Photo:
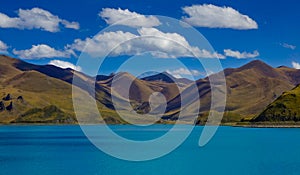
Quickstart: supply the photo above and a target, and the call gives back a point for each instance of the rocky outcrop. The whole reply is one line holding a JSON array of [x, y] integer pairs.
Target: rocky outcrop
[[20, 99], [10, 106], [7, 98], [2, 106]]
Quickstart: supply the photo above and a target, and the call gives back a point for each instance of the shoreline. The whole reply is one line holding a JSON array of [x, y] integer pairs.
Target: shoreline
[[240, 125], [267, 126]]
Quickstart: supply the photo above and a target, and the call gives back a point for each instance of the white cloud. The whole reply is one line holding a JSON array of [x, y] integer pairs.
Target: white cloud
[[181, 72], [128, 18], [288, 46], [3, 47], [202, 53], [212, 16], [35, 18], [239, 55], [64, 65], [42, 51], [70, 25], [295, 65], [151, 40], [101, 43]]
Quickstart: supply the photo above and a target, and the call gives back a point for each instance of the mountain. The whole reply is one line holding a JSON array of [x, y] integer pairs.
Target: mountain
[[35, 91], [44, 87], [138, 92], [250, 89], [43, 94], [292, 74], [253, 86], [103, 77], [167, 78], [147, 74], [284, 108]]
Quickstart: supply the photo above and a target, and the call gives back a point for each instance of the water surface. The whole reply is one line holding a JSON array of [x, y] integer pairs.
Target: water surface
[[61, 150]]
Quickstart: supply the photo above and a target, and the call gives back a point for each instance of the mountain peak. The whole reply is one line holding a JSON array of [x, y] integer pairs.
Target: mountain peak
[[256, 64], [124, 74], [7, 59], [147, 74], [164, 76], [283, 67], [261, 68]]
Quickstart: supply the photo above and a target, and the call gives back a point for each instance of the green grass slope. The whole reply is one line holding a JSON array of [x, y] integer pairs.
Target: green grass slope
[[284, 108]]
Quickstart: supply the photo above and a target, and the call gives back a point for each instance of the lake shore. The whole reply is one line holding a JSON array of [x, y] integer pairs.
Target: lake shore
[[268, 126], [265, 125], [239, 124]]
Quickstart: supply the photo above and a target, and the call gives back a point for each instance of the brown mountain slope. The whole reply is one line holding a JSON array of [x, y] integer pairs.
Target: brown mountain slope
[[50, 86], [167, 78], [48, 89], [33, 94], [253, 86], [7, 68], [139, 90], [250, 89], [292, 74]]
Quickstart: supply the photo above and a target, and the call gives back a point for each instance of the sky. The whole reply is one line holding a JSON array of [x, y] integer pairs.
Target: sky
[[57, 32]]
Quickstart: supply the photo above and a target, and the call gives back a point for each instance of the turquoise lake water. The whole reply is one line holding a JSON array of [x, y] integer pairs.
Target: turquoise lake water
[[62, 150]]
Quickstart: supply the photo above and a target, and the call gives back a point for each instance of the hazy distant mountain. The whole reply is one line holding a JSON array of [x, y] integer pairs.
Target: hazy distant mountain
[[166, 77], [147, 74], [103, 77]]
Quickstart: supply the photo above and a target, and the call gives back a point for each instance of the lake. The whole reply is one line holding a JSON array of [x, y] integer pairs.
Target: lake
[[61, 150]]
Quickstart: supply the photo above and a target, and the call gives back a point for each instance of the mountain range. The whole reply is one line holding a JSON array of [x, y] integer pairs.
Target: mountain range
[[256, 92]]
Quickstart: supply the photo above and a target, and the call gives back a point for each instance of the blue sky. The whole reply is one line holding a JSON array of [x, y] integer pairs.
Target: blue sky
[[275, 40]]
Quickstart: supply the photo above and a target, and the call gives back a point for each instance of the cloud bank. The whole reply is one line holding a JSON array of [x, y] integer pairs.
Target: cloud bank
[[239, 55], [159, 44], [64, 65], [36, 18], [181, 72], [122, 17], [212, 16], [42, 51], [295, 65], [3, 47]]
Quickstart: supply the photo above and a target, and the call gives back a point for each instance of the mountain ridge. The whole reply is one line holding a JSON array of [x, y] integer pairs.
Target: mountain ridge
[[251, 88]]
